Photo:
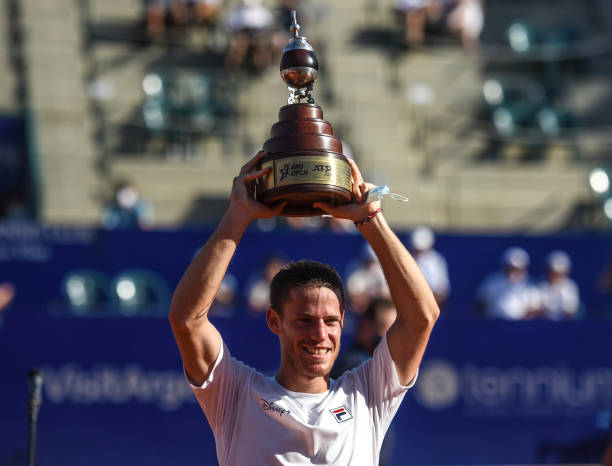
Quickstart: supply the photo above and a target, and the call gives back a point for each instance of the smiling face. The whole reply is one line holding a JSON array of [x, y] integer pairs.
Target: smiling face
[[309, 329]]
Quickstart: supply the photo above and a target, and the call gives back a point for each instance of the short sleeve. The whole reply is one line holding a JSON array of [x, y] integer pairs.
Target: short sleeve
[[218, 394], [384, 391], [382, 357]]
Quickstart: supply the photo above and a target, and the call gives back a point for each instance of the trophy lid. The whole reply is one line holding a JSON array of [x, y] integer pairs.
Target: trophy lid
[[299, 66]]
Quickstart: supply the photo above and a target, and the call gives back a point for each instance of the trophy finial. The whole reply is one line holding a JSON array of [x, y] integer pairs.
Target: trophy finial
[[299, 66], [295, 27]]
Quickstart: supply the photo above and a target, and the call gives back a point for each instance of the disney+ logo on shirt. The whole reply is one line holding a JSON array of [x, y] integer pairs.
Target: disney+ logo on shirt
[[271, 406]]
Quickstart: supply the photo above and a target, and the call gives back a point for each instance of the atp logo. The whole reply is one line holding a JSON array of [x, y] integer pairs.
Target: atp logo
[[341, 414]]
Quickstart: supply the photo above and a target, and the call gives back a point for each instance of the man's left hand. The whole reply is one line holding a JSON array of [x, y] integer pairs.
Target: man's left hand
[[357, 209]]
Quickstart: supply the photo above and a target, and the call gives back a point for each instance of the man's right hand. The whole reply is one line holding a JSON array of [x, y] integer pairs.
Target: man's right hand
[[243, 192]]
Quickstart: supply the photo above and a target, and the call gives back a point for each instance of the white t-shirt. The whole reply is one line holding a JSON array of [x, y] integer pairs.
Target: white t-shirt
[[256, 421]]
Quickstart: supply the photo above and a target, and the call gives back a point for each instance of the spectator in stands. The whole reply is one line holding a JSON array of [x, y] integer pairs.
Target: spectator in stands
[[206, 12], [365, 281], [14, 207], [559, 294], [155, 18], [417, 15], [313, 223], [161, 13], [258, 287], [252, 33], [225, 303], [7, 293], [372, 325], [431, 262], [177, 14], [508, 294], [341, 226], [414, 16], [128, 209], [466, 19], [604, 283]]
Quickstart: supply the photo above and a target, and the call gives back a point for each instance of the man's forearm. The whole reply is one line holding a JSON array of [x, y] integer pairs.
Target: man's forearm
[[412, 296], [197, 289]]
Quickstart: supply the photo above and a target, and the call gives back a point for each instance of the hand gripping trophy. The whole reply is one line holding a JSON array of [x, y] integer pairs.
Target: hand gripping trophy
[[305, 156]]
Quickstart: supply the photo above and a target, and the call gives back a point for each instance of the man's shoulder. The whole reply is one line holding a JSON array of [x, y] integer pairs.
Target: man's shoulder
[[228, 365]]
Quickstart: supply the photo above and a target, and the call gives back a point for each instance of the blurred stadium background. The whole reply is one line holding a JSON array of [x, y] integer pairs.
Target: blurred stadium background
[[505, 145]]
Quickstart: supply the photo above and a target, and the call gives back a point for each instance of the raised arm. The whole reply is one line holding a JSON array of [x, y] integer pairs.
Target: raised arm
[[416, 306], [197, 339]]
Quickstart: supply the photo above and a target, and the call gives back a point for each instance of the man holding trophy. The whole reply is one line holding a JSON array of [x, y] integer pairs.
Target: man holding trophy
[[301, 415]]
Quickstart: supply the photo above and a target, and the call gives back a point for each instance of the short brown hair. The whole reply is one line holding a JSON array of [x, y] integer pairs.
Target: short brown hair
[[304, 274]]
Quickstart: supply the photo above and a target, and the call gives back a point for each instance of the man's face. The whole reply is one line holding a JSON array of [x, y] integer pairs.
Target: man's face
[[309, 331]]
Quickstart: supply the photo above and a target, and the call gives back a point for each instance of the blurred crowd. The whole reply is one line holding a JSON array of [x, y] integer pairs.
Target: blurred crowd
[[461, 18], [256, 34], [509, 293]]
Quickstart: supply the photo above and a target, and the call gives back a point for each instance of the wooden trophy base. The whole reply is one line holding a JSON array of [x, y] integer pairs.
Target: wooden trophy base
[[307, 163]]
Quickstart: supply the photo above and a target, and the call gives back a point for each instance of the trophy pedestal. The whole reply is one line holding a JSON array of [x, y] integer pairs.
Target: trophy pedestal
[[307, 163]]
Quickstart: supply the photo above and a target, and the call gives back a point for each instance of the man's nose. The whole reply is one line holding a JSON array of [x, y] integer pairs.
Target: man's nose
[[320, 330]]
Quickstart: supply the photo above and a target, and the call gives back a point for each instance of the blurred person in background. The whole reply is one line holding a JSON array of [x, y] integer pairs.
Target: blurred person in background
[[431, 262], [206, 12], [559, 294], [128, 210], [225, 303], [371, 327], [509, 294], [341, 226], [7, 293], [253, 34], [163, 13], [466, 20], [14, 207], [163, 16], [313, 223], [365, 281], [258, 287], [414, 17], [604, 282]]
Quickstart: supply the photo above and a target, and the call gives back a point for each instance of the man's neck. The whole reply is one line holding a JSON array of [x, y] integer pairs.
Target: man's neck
[[297, 383]]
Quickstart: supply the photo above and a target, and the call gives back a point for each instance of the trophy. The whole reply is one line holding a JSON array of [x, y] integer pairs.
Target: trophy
[[305, 156]]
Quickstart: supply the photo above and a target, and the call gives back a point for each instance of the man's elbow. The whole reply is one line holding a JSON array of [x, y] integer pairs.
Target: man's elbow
[[176, 319], [429, 315], [184, 317], [177, 316], [433, 314]]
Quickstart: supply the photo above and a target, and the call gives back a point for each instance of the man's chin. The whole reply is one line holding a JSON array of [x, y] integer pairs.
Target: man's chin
[[318, 370], [313, 369]]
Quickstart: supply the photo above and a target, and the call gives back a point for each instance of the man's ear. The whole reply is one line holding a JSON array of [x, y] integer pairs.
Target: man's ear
[[273, 321]]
